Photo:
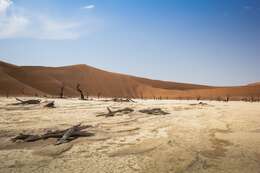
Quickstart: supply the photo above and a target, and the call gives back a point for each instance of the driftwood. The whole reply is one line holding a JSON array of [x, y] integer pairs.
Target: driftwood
[[154, 111], [63, 136], [50, 105], [113, 113], [25, 102]]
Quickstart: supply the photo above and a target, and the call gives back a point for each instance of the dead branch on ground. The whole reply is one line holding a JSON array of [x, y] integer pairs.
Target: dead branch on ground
[[123, 100], [63, 136], [50, 105], [113, 113], [200, 103], [25, 102], [154, 111]]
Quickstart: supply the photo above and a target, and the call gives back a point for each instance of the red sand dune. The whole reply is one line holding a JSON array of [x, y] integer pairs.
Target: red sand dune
[[31, 80]]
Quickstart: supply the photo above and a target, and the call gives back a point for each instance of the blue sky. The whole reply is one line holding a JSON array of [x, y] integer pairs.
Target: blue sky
[[214, 42]]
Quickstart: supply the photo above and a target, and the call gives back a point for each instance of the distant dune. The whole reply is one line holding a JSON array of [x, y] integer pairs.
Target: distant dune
[[47, 81], [254, 84]]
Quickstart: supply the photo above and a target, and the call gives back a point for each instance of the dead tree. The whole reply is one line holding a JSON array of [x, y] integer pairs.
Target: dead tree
[[63, 136], [154, 111], [25, 102], [62, 91], [113, 113], [252, 99], [67, 135], [123, 100], [81, 92], [99, 94], [22, 91], [227, 98], [87, 95], [7, 93], [50, 105], [141, 96]]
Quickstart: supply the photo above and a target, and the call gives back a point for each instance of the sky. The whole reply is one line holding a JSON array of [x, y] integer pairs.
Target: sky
[[213, 42]]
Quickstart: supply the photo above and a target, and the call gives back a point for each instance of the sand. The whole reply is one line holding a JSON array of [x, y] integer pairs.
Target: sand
[[47, 82], [218, 137]]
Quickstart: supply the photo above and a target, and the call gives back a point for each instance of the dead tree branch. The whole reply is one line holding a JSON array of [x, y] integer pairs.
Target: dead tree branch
[[113, 113], [154, 111], [50, 105], [63, 136], [24, 102], [123, 100]]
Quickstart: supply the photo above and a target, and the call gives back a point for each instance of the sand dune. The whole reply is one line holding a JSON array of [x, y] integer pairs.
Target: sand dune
[[254, 84], [31, 80]]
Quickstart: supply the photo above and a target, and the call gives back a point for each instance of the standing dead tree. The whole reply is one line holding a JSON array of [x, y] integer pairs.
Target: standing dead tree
[[227, 98], [141, 95], [81, 92], [7, 93], [62, 91], [22, 91], [99, 95]]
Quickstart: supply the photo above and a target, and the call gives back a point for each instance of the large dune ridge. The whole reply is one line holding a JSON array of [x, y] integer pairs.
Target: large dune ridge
[[47, 81]]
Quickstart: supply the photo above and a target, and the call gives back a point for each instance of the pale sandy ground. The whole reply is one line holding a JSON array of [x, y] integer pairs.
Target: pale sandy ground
[[219, 137]]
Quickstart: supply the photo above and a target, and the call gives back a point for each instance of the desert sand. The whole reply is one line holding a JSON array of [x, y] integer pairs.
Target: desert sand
[[218, 137], [47, 81]]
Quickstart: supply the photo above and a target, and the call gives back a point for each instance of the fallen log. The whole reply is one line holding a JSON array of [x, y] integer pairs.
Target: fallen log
[[24, 102], [62, 136], [123, 100], [50, 105], [65, 137], [25, 137], [200, 103], [154, 111], [113, 113]]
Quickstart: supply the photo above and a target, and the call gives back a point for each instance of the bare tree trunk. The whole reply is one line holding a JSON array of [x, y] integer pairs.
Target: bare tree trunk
[[22, 91], [7, 93], [99, 94], [81, 92], [62, 91], [227, 98], [87, 95]]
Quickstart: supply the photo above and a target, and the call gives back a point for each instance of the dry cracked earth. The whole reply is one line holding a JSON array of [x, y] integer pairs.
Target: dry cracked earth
[[217, 137]]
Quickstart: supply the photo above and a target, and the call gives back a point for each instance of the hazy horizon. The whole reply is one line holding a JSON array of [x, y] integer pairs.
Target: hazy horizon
[[204, 42]]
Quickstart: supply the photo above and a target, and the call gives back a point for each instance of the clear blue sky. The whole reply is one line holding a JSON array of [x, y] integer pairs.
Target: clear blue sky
[[214, 42]]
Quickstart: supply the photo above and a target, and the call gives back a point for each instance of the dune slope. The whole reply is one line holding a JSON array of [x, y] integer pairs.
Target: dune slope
[[31, 80]]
